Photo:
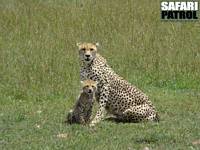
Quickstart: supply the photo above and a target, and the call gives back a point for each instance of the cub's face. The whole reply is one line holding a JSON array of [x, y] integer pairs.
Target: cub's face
[[89, 86], [87, 51]]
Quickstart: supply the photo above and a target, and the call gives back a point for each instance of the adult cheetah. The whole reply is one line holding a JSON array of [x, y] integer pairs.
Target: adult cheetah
[[114, 94]]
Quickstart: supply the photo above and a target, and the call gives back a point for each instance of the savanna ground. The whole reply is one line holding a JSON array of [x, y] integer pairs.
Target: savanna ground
[[39, 73]]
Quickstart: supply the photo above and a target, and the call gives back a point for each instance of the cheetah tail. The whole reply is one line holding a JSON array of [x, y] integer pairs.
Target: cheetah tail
[[69, 119]]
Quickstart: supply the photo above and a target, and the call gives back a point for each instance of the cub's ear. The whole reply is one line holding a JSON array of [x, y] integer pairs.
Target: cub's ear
[[96, 82], [78, 44], [97, 44], [82, 82]]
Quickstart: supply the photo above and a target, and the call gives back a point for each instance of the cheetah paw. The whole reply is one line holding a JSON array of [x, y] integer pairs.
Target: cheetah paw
[[91, 124]]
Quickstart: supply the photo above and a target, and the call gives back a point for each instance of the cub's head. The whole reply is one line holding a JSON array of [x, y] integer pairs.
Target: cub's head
[[87, 51], [89, 86]]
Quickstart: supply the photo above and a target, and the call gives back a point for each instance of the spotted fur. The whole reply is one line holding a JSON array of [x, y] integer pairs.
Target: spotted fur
[[115, 95], [83, 108]]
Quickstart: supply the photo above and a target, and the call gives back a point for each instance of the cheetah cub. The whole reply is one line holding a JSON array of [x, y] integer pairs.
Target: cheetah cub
[[83, 108]]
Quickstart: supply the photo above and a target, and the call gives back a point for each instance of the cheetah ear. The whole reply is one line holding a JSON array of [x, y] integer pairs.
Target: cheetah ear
[[97, 44], [78, 44], [82, 83]]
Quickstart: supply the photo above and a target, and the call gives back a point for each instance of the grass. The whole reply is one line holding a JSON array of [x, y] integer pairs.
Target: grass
[[178, 128], [39, 77]]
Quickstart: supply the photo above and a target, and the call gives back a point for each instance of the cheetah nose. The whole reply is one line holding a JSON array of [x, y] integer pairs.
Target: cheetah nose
[[87, 55], [89, 91]]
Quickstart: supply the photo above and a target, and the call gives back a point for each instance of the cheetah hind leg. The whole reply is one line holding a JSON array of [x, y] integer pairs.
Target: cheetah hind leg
[[154, 117], [139, 113]]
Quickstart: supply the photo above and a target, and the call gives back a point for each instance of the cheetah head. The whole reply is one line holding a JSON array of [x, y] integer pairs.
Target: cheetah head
[[87, 51], [89, 87]]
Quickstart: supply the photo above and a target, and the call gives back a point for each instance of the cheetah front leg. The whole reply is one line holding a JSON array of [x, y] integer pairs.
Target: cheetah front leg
[[103, 98], [82, 120]]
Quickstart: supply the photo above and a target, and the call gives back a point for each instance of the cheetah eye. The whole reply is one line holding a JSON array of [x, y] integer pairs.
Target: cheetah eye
[[91, 49], [94, 87], [83, 49]]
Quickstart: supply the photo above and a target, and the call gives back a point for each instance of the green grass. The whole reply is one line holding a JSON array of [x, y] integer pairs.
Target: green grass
[[39, 71]]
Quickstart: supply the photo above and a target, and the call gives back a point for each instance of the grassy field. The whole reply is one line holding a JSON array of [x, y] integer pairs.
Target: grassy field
[[39, 73]]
